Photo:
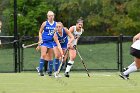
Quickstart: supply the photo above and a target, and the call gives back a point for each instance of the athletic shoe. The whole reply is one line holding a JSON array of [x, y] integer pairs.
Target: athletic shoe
[[50, 73], [67, 74], [56, 75], [123, 76], [41, 73], [37, 68], [124, 69]]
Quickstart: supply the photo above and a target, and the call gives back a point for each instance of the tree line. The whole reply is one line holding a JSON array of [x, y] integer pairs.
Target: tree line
[[101, 17]]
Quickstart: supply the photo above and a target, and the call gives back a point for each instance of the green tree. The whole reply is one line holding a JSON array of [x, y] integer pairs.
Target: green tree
[[101, 17], [31, 14]]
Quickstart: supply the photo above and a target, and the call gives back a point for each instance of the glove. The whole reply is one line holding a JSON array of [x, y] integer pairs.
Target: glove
[[74, 46], [63, 56], [37, 48]]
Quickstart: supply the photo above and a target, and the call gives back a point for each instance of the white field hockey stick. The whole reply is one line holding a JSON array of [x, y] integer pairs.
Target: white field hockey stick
[[82, 61], [58, 71], [30, 45]]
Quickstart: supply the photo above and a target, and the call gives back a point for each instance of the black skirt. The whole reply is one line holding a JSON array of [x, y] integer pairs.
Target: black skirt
[[135, 52]]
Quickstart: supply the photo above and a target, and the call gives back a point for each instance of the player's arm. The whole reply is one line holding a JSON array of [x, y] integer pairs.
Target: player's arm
[[70, 35], [40, 31], [71, 29], [136, 37], [58, 44]]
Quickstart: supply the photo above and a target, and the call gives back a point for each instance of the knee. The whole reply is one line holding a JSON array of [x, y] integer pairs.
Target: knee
[[57, 56], [73, 57], [43, 56], [50, 58]]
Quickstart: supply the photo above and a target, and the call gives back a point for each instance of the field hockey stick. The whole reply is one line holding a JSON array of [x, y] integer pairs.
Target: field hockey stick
[[58, 71], [30, 45], [82, 61]]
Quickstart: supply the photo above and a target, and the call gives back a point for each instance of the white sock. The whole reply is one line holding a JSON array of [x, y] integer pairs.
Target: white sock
[[69, 65], [132, 64], [130, 70]]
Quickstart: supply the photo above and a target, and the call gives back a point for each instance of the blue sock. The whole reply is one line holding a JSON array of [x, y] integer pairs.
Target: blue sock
[[50, 65], [56, 62], [41, 64]]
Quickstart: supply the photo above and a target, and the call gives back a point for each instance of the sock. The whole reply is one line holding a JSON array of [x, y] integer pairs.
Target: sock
[[45, 65], [130, 70], [69, 65], [50, 65], [56, 62], [132, 64], [41, 64]]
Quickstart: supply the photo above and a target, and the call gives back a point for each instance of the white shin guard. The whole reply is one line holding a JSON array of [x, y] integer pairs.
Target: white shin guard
[[69, 66], [130, 70]]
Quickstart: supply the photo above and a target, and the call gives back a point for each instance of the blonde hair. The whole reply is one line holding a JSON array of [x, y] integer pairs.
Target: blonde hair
[[50, 13]]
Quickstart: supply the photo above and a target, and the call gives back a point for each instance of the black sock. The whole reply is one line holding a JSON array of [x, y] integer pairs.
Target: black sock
[[45, 65]]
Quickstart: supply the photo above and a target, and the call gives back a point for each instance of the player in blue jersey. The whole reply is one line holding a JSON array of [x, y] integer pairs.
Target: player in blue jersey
[[62, 34], [46, 34]]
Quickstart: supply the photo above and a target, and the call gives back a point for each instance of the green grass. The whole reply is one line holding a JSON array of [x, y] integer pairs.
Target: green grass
[[99, 82]]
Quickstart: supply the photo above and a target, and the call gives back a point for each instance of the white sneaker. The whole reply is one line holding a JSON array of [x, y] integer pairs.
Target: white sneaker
[[56, 75]]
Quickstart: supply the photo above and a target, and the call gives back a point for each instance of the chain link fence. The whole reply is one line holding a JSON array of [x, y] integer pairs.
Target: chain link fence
[[98, 53]]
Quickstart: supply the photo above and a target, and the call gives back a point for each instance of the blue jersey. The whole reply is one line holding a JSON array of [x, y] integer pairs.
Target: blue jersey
[[63, 40], [47, 35], [48, 32]]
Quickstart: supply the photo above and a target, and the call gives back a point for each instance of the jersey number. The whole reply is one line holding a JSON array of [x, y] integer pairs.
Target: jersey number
[[76, 36], [51, 32]]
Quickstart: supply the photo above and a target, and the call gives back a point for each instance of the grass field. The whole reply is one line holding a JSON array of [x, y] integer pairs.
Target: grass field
[[99, 82]]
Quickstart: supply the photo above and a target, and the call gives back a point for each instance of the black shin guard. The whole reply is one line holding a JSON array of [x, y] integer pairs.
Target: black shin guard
[[45, 65]]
